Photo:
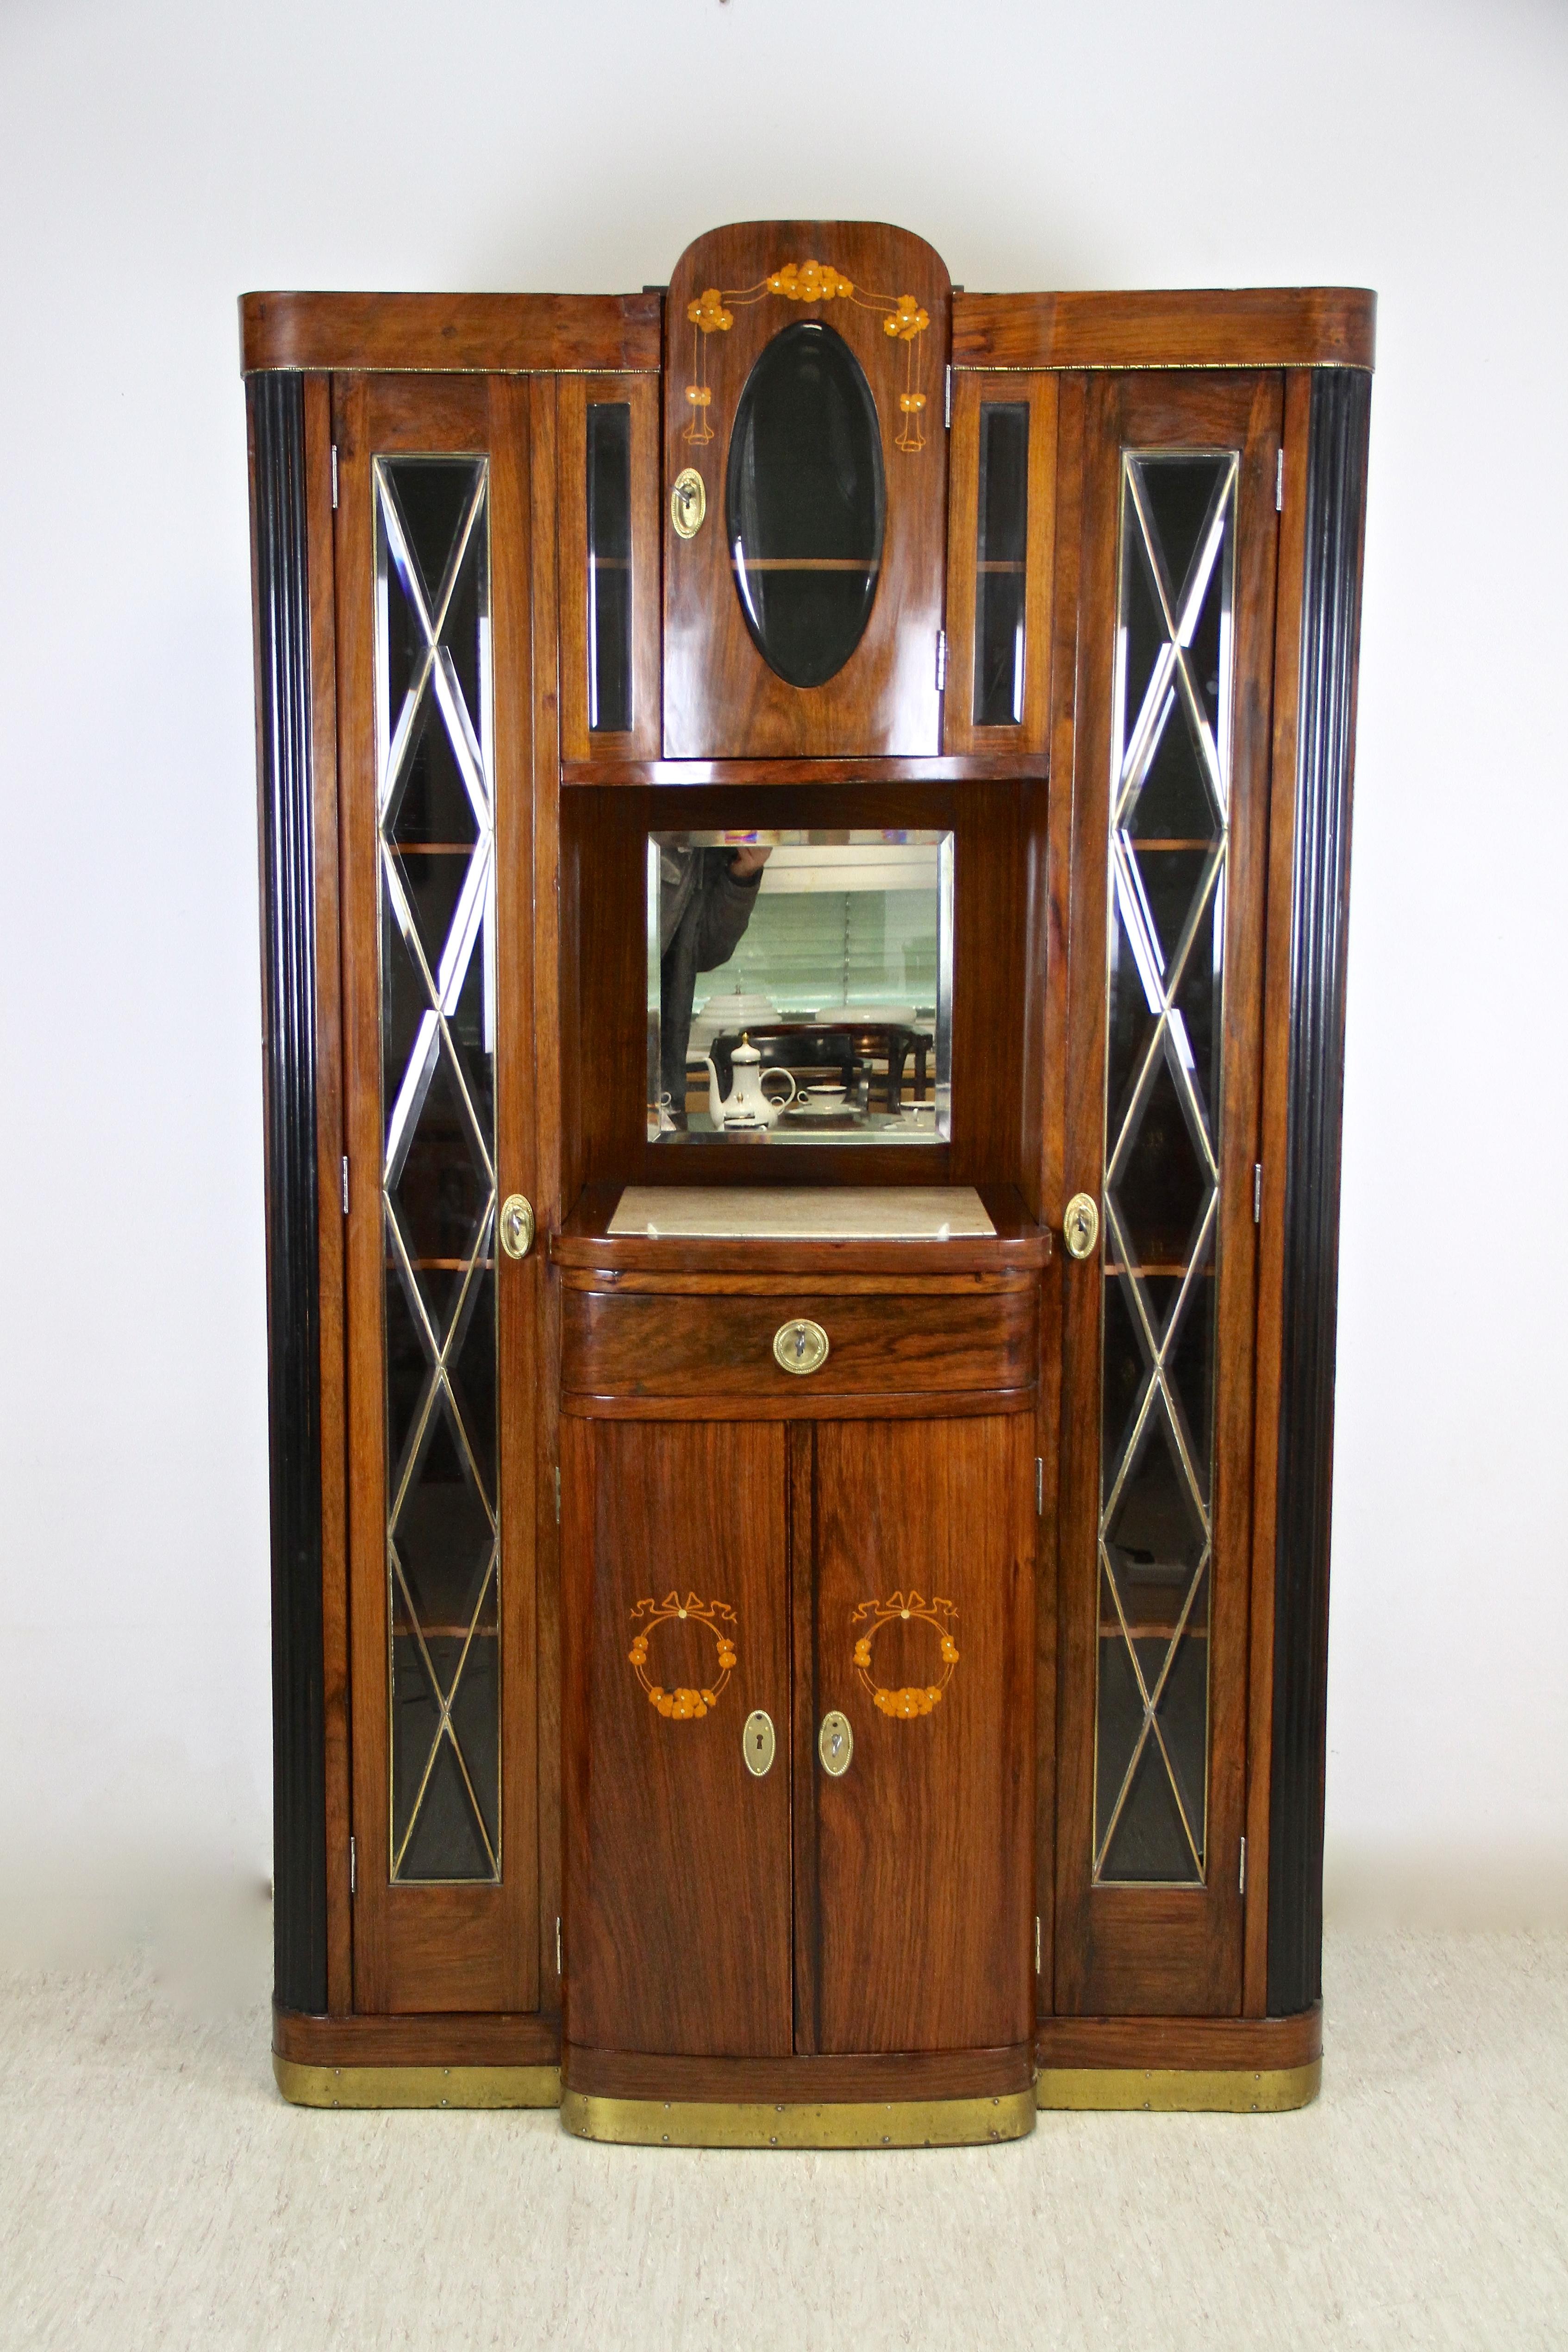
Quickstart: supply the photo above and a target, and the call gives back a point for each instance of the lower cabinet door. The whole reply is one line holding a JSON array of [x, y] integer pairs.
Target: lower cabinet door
[[676, 1631], [918, 1853]]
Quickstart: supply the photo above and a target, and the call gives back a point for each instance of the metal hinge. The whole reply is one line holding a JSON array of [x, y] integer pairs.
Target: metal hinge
[[1257, 1191], [334, 477], [948, 397], [557, 1966], [1279, 483], [353, 1869], [1038, 1485], [1241, 1880], [345, 1183], [941, 661], [557, 1494], [1037, 1943]]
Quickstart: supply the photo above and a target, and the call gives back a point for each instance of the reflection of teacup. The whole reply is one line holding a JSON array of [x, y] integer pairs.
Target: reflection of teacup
[[825, 1098]]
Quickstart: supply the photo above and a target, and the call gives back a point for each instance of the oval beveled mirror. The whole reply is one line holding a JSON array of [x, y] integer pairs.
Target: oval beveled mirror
[[805, 502]]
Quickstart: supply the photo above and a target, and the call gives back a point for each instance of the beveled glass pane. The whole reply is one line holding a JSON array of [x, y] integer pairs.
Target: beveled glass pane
[[1173, 801], [1160, 1186], [1178, 494], [1165, 1018], [437, 1004], [1148, 1843], [609, 565], [805, 500], [441, 1527], [999, 560]]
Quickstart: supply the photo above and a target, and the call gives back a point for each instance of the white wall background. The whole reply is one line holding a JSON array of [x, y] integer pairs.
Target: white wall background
[[157, 159]]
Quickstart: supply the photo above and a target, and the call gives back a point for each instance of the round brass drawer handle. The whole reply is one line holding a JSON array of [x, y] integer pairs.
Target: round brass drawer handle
[[800, 1346]]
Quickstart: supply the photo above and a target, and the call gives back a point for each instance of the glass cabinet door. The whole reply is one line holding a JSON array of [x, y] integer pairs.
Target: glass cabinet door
[[1171, 778], [431, 544]]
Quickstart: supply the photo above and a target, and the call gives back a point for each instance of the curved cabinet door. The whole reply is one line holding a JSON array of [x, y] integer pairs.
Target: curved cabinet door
[[914, 1867], [431, 589], [676, 1621], [1171, 779]]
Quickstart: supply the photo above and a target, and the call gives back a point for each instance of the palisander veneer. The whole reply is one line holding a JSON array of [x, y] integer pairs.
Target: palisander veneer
[[799, 1612]]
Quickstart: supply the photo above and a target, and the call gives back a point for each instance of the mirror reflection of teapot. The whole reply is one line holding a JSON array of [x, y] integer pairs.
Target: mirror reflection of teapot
[[747, 1105]]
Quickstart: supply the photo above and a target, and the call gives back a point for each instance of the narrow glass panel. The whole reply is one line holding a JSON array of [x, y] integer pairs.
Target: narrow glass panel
[[1000, 559], [608, 566], [1164, 1090], [438, 1187]]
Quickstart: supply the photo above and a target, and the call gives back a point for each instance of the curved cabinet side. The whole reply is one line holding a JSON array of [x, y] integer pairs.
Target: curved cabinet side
[[277, 420], [1331, 620]]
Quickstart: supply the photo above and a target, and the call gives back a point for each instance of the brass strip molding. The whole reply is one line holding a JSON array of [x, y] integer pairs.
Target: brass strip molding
[[417, 2086], [841, 2123], [1181, 2090]]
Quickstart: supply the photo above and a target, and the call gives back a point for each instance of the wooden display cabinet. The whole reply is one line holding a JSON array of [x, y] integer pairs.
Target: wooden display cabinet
[[802, 1621]]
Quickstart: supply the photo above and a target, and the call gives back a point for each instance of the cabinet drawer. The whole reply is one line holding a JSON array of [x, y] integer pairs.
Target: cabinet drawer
[[896, 1352]]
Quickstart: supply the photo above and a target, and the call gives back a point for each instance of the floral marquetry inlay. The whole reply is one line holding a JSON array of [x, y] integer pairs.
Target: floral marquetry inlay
[[914, 1698], [807, 281], [683, 1704]]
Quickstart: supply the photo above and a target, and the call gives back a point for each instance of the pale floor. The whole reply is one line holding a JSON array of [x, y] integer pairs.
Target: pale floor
[[155, 2191]]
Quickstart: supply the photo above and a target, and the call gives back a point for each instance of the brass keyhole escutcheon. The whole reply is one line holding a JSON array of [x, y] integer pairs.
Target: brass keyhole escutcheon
[[516, 1225], [758, 1744], [835, 1743], [1081, 1226], [688, 503], [800, 1346]]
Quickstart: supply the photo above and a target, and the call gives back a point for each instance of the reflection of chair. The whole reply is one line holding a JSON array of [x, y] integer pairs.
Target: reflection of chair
[[841, 1046]]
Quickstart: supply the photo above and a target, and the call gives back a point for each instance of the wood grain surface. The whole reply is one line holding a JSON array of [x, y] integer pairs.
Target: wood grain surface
[[1237, 327], [653, 1346], [677, 1925], [925, 1888], [488, 334]]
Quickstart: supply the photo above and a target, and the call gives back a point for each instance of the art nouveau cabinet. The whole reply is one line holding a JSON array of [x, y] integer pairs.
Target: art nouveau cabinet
[[804, 857]]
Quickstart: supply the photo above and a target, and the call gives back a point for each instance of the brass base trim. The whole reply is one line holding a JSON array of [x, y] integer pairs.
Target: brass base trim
[[838, 2123], [1178, 2090], [417, 2086]]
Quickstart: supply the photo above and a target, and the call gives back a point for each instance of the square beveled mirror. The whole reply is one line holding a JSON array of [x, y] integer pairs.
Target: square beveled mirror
[[800, 986]]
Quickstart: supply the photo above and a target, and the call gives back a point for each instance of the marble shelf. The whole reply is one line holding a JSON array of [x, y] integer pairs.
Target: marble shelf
[[921, 1212]]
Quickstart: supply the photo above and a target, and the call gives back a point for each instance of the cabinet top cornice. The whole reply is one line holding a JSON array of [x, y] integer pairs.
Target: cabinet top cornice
[[505, 335]]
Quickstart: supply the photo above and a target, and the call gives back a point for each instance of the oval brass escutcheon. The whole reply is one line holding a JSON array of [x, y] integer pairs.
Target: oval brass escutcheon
[[516, 1225], [835, 1743], [688, 503], [800, 1346], [1081, 1226], [757, 1743]]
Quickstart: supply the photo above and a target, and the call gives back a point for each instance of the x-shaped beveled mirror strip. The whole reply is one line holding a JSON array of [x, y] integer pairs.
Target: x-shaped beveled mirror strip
[[1150, 1701], [445, 1728], [1172, 674], [1168, 1038], [466, 932], [1171, 680]]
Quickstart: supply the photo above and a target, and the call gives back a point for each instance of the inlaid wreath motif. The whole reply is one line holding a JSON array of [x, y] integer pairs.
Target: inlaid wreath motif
[[903, 321], [681, 1705], [874, 1615]]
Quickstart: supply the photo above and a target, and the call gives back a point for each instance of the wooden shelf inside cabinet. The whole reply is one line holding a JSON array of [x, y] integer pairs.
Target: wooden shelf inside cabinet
[[1018, 1245], [987, 768]]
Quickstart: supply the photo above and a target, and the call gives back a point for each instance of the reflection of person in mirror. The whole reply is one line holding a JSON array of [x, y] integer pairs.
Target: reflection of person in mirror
[[705, 901]]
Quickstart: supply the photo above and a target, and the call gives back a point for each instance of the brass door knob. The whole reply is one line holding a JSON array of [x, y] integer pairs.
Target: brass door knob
[[516, 1225], [800, 1346], [1081, 1226]]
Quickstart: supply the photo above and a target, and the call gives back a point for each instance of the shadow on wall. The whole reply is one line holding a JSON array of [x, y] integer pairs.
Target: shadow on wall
[[1462, 1887]]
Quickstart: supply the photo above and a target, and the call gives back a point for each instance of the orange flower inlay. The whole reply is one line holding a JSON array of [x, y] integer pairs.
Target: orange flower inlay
[[912, 1700], [684, 1704]]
